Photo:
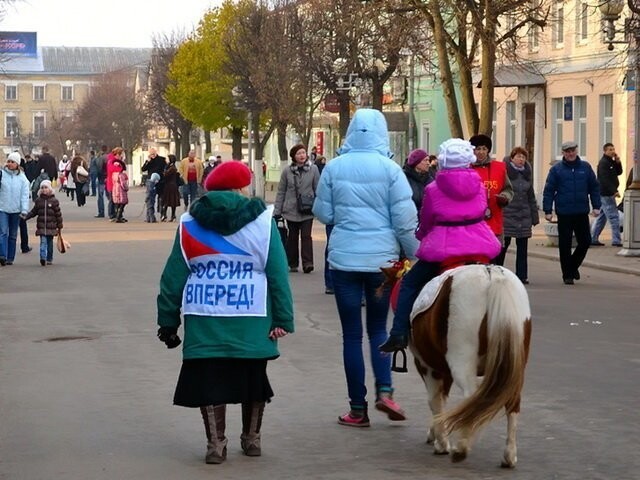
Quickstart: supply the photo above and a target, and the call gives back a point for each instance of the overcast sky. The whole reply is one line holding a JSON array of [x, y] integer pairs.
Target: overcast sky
[[102, 23]]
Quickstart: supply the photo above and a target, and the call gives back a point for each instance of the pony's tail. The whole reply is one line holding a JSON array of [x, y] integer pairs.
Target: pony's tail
[[507, 313]]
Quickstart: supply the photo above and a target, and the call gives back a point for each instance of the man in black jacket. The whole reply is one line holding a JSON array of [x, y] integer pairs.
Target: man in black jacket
[[48, 163], [609, 168]]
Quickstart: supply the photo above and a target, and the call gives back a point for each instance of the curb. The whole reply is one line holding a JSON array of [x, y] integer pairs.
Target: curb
[[586, 263]]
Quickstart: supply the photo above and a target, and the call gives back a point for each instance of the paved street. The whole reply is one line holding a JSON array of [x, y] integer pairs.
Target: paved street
[[86, 388]]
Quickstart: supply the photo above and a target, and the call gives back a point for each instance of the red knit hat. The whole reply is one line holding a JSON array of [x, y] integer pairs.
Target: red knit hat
[[231, 175]]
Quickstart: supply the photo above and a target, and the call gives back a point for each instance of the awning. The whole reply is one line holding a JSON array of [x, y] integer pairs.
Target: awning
[[517, 76]]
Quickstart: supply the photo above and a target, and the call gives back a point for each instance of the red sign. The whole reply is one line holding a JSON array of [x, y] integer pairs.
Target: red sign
[[331, 103], [320, 143]]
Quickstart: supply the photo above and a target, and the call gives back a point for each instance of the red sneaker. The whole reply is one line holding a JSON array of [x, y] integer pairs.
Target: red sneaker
[[351, 420], [386, 404]]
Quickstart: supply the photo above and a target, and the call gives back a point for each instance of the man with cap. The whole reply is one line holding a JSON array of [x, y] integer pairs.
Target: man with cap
[[496, 181], [451, 229], [14, 201], [570, 184], [227, 276]]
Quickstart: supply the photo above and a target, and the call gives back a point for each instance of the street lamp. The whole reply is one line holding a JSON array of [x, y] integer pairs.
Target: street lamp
[[68, 144], [611, 11], [12, 133]]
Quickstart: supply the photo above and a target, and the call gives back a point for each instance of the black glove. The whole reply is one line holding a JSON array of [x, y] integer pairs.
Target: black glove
[[277, 218], [169, 336]]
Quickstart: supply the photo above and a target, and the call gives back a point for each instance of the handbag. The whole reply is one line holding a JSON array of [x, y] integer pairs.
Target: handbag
[[82, 171], [62, 244], [304, 201]]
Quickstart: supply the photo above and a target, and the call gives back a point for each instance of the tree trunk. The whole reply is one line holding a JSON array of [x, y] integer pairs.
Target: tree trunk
[[236, 142], [377, 93], [488, 76], [185, 144], [207, 142], [446, 77], [176, 142], [344, 101], [282, 142]]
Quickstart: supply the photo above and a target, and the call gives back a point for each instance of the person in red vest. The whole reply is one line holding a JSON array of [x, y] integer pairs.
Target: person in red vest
[[499, 189]]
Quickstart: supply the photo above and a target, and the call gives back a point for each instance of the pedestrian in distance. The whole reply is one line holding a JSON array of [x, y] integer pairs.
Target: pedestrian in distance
[[101, 166], [46, 209], [232, 334], [452, 231], [191, 170], [418, 174], [496, 181], [93, 172], [366, 197], [521, 214], [296, 193], [570, 185], [14, 200], [120, 190], [609, 169], [116, 155], [170, 191]]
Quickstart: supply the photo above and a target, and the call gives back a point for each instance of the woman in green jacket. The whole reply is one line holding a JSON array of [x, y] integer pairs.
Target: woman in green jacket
[[227, 276]]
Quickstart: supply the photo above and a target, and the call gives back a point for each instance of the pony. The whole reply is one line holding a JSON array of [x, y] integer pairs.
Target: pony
[[472, 326]]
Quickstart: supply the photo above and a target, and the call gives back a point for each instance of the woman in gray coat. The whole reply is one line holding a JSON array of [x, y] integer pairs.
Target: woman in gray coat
[[296, 192], [521, 214]]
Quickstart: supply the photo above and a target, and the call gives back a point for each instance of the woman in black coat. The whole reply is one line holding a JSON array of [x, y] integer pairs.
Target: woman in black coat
[[418, 173], [521, 214]]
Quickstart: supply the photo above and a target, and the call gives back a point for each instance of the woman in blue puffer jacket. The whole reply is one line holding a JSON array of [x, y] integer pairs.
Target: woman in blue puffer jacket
[[14, 201], [367, 198]]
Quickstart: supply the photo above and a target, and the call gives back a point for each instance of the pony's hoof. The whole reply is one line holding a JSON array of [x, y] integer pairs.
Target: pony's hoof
[[440, 452], [458, 456], [508, 463]]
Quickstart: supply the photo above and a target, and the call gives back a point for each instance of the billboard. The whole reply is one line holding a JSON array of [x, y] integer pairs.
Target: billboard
[[22, 43]]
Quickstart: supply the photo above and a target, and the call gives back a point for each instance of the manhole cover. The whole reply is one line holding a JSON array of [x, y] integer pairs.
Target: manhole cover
[[66, 339]]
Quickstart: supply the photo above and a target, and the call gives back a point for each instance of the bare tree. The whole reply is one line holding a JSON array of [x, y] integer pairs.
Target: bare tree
[[160, 110]]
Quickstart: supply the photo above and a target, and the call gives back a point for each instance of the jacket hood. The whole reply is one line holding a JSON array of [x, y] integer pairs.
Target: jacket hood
[[459, 183], [226, 212], [367, 131]]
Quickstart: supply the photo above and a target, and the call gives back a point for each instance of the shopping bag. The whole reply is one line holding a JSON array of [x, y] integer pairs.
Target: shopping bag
[[62, 244]]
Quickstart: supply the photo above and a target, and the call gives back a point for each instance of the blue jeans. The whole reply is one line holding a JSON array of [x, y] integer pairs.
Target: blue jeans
[[189, 193], [609, 211], [9, 223], [348, 287], [100, 199], [412, 283], [46, 247]]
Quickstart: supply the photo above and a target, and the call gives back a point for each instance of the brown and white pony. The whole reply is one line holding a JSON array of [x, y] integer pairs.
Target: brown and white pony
[[478, 325]]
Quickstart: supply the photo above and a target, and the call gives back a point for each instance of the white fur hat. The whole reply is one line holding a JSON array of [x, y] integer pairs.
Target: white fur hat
[[14, 157], [455, 153], [45, 183]]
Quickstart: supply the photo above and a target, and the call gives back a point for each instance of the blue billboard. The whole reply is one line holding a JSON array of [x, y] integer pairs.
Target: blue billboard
[[22, 43]]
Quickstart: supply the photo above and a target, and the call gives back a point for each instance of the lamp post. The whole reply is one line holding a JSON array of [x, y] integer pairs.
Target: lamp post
[[11, 134], [611, 10]]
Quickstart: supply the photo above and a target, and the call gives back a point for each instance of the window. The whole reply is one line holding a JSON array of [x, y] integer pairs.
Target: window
[[511, 126], [38, 93], [582, 21], [557, 28], [38, 125], [67, 93], [10, 124], [606, 118], [11, 92], [557, 110], [580, 125]]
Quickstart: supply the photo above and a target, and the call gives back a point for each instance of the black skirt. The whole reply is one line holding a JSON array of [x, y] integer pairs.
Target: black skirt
[[214, 381]]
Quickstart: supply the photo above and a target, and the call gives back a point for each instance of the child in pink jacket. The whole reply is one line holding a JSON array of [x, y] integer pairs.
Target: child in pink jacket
[[119, 193], [452, 230]]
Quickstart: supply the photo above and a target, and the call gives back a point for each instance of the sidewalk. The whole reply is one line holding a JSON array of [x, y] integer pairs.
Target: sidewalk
[[603, 258]]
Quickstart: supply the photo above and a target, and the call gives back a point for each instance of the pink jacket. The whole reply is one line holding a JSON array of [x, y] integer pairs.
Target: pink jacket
[[452, 218], [120, 186], [109, 180]]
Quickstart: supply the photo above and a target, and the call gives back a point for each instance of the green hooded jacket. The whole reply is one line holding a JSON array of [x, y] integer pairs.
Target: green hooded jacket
[[226, 212]]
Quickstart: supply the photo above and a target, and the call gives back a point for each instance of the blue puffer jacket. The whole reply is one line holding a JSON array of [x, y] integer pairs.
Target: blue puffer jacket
[[569, 185], [367, 198], [14, 192]]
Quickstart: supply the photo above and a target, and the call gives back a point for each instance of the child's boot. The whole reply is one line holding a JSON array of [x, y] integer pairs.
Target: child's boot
[[386, 404], [356, 417]]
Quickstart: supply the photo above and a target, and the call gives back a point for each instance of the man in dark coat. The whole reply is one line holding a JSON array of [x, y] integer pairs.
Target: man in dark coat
[[48, 163], [609, 168], [570, 185]]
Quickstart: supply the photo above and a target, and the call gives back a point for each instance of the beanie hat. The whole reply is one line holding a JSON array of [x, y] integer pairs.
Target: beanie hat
[[14, 157], [481, 141], [45, 183], [416, 156], [455, 153], [232, 175], [294, 150], [155, 177]]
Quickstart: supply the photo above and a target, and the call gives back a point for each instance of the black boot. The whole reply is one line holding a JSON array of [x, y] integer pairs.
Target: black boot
[[214, 417], [251, 423], [394, 343]]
